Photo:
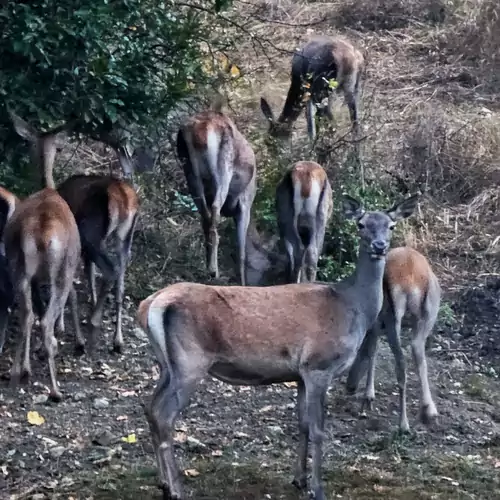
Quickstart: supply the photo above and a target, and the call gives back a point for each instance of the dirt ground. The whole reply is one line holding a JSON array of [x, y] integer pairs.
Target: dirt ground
[[240, 442]]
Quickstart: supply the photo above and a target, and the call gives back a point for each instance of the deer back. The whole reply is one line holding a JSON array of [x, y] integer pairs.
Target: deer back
[[408, 274]]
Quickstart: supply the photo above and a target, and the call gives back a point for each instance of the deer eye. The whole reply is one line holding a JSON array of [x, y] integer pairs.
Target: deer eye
[[392, 227], [361, 225]]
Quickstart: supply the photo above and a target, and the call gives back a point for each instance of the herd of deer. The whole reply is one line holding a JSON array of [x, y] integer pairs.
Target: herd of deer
[[303, 331]]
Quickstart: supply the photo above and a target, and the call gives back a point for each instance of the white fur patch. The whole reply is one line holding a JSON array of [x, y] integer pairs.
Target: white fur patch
[[156, 331]]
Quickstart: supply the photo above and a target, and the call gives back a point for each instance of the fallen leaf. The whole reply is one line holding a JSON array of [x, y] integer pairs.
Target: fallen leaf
[[180, 437], [235, 72], [34, 418], [130, 438], [121, 417], [290, 384], [217, 453], [191, 472]]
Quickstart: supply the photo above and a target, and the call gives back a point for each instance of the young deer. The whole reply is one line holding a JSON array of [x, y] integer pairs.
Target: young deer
[[41, 241], [410, 287], [104, 208], [307, 333], [304, 206], [313, 67], [219, 165]]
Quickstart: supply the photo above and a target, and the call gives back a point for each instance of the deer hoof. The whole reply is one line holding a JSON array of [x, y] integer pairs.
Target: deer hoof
[[117, 348], [317, 493], [55, 396], [79, 349], [428, 414], [300, 483], [170, 496]]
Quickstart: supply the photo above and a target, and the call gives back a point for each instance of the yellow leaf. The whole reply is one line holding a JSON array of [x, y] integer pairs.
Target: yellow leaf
[[290, 384], [34, 418], [133, 28], [235, 72], [130, 438], [191, 472]]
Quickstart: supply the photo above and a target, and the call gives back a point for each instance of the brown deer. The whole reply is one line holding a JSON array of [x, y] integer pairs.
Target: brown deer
[[304, 206], [104, 208], [41, 241], [219, 165], [321, 60], [307, 333], [411, 288]]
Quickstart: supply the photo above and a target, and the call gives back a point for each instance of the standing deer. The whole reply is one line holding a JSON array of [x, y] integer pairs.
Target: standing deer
[[41, 241], [307, 333], [410, 287], [219, 165], [319, 61], [304, 206], [104, 208]]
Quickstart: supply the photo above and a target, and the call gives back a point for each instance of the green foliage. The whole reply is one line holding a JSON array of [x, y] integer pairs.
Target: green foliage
[[341, 239], [108, 63]]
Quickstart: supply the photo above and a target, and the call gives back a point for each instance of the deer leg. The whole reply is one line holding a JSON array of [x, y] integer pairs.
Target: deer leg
[[89, 267], [28, 318], [124, 252], [393, 331], [170, 397], [428, 409], [80, 341], [316, 384], [96, 318], [300, 478], [362, 361], [311, 262], [242, 223], [311, 119], [4, 320]]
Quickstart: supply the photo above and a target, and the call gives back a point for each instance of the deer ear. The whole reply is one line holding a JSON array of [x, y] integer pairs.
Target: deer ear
[[404, 208], [352, 208], [266, 109], [23, 128]]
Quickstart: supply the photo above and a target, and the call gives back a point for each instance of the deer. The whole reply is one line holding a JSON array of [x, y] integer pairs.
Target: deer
[[410, 288], [220, 170], [104, 207], [314, 66], [308, 333], [304, 206], [42, 241]]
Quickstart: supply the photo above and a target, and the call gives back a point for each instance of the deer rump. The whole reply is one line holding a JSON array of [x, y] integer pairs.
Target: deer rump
[[208, 171]]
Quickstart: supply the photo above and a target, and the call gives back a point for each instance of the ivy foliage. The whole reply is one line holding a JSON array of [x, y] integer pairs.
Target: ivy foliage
[[105, 63]]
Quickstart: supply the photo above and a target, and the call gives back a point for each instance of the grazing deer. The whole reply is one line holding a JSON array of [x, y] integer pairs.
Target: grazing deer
[[104, 208], [41, 241], [411, 287], [304, 206], [307, 333], [219, 165], [313, 67]]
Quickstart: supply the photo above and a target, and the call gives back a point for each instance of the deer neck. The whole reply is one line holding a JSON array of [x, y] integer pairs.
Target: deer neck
[[365, 287]]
